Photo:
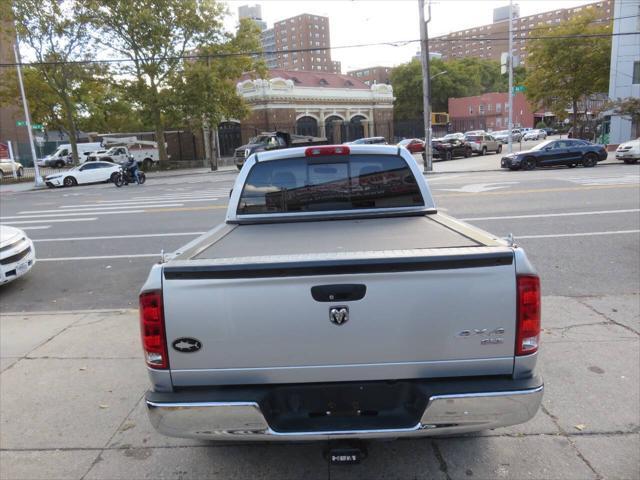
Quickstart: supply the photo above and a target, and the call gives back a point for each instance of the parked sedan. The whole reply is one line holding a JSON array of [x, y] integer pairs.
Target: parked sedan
[[483, 143], [368, 141], [556, 152], [414, 145], [6, 168], [629, 152], [89, 172], [17, 255], [535, 135], [503, 135]]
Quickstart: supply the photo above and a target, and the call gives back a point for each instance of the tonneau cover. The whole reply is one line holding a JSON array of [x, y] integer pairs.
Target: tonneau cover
[[337, 236]]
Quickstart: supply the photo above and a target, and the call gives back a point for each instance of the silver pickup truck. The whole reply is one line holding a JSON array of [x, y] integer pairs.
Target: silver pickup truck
[[336, 302]]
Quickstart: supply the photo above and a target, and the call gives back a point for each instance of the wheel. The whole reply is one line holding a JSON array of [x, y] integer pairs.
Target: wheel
[[572, 165], [113, 177], [20, 171], [590, 160], [467, 152], [447, 155], [1, 174], [147, 163], [142, 177], [69, 182], [529, 163], [118, 180], [499, 150], [630, 161], [484, 151], [59, 164]]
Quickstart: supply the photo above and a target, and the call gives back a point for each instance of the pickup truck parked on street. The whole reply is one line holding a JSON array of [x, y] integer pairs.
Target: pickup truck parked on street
[[273, 141], [336, 302]]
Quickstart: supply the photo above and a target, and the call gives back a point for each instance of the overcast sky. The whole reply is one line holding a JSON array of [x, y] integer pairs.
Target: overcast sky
[[372, 21]]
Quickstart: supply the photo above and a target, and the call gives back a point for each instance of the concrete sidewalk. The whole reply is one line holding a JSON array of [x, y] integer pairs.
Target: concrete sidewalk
[[71, 406]]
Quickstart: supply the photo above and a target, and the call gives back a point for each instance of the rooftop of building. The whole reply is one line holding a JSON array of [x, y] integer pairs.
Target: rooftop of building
[[302, 78]]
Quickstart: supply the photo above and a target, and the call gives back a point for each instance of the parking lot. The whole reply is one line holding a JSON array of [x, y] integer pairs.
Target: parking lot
[[72, 377]]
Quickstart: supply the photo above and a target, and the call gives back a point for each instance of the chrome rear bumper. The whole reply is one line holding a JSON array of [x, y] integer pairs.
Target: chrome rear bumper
[[449, 414]]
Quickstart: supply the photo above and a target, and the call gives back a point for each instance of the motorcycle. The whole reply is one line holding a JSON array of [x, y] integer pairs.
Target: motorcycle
[[124, 177]]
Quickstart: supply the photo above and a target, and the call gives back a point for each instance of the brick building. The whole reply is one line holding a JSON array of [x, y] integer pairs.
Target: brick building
[[457, 45], [372, 75], [490, 112], [304, 31], [339, 107], [9, 114]]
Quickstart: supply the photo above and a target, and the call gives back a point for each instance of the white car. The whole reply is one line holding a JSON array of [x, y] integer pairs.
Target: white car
[[89, 172], [629, 152], [535, 135], [17, 255]]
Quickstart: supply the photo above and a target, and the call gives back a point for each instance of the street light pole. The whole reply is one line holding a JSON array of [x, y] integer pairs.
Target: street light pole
[[426, 86], [27, 117], [510, 65]]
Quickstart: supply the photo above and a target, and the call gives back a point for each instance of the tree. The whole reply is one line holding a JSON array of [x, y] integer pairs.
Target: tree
[[626, 107], [155, 35], [205, 89], [564, 71], [54, 38]]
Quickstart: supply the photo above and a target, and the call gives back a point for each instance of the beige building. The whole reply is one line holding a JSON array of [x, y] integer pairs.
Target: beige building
[[457, 45]]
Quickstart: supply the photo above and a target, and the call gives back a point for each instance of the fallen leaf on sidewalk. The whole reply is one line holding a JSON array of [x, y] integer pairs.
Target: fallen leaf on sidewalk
[[580, 426], [82, 369], [104, 406]]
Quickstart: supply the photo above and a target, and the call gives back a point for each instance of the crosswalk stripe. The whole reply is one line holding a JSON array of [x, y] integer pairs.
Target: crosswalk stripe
[[146, 203], [50, 220], [114, 237], [75, 214], [102, 209]]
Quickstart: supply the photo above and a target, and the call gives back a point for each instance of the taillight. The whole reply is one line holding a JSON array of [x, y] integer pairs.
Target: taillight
[[528, 328], [327, 150], [154, 342]]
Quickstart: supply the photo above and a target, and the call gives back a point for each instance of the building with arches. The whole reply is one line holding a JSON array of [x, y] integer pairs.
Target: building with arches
[[338, 107]]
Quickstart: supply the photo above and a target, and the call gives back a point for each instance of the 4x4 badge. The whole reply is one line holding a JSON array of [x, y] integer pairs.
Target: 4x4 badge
[[186, 345]]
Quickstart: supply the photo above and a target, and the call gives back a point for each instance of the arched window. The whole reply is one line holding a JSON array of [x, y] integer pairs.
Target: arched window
[[335, 129], [356, 127], [307, 126]]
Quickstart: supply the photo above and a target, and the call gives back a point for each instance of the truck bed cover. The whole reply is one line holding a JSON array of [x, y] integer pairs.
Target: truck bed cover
[[338, 236]]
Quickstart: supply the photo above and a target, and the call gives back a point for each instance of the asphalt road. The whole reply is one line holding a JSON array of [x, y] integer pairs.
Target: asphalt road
[[95, 244]]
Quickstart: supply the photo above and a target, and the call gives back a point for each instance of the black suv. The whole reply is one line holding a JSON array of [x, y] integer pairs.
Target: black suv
[[450, 146]]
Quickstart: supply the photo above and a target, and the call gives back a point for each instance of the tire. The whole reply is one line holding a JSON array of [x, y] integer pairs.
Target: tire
[[69, 182], [572, 165], [447, 155], [113, 177], [1, 174], [59, 164], [589, 160], [147, 163], [119, 180], [499, 149], [529, 163], [630, 161], [20, 172], [467, 152], [484, 151], [142, 177]]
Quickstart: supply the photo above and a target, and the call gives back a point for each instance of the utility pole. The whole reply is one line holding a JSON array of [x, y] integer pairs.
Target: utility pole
[[27, 117], [510, 66], [426, 86]]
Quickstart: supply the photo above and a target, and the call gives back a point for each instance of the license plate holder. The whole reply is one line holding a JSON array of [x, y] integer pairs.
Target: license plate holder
[[22, 268]]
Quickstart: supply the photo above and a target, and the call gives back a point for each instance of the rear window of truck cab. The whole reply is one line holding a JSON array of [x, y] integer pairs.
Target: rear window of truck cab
[[329, 183]]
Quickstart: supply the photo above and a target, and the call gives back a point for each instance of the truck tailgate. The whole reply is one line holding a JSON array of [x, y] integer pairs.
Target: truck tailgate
[[425, 313]]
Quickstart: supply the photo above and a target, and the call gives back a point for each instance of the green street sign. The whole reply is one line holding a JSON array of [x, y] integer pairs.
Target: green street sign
[[519, 88], [34, 126]]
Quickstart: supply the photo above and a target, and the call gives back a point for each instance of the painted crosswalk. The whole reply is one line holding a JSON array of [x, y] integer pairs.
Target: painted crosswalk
[[77, 210], [627, 179]]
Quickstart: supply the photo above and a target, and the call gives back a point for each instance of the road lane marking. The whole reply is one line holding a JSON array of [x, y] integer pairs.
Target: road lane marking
[[111, 237], [479, 187], [583, 234], [566, 214], [99, 257], [76, 214], [40, 227], [185, 209], [537, 190], [137, 204], [16, 222], [99, 209]]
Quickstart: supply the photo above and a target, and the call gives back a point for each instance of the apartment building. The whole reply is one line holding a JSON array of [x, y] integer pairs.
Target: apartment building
[[490, 41], [372, 75]]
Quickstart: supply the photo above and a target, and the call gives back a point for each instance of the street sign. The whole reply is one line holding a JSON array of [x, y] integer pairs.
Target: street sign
[[34, 126], [519, 88]]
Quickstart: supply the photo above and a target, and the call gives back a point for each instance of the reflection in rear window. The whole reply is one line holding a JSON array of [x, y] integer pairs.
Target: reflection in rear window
[[319, 184]]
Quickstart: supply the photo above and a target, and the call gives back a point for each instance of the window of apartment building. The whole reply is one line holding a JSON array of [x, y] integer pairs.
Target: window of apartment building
[[498, 122], [470, 110], [317, 44], [506, 107], [481, 109], [636, 73], [488, 107]]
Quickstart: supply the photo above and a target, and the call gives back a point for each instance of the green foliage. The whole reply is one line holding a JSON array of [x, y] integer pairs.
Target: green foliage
[[565, 70], [541, 124], [155, 34], [465, 77]]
